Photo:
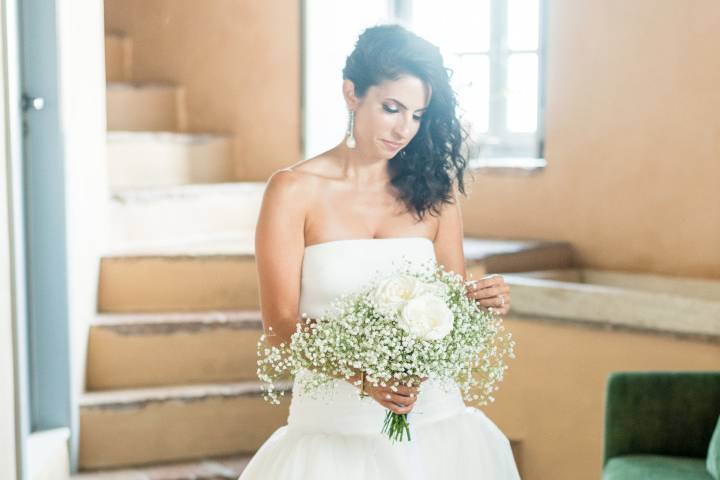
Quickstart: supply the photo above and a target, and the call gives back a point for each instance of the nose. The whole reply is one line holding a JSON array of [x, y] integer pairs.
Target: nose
[[402, 128]]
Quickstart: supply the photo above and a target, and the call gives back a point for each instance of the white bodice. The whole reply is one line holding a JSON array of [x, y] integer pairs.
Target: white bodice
[[330, 269], [334, 268], [338, 434]]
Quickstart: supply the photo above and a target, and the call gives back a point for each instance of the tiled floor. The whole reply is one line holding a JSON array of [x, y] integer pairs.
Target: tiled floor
[[210, 469]]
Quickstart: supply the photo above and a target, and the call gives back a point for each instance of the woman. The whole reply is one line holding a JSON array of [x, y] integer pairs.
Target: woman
[[328, 224]]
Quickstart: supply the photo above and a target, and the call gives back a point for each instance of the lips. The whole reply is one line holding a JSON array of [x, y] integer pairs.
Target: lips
[[392, 145]]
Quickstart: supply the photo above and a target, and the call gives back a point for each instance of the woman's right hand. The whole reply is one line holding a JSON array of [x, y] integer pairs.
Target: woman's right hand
[[401, 401]]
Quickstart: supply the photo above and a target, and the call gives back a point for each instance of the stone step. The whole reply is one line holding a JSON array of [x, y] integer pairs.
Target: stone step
[[136, 107], [221, 468], [161, 159], [217, 276], [118, 57], [124, 428], [184, 214], [143, 350], [178, 282]]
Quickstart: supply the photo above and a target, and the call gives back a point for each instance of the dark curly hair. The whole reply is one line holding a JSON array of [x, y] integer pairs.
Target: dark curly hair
[[424, 170]]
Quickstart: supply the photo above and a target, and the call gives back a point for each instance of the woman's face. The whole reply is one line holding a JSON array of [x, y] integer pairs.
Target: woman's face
[[389, 115]]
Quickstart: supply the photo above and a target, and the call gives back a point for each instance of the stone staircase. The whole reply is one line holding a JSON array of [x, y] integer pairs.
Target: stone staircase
[[171, 384], [172, 353]]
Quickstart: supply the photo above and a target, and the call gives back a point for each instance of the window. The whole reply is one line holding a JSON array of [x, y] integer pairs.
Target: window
[[495, 50], [329, 32]]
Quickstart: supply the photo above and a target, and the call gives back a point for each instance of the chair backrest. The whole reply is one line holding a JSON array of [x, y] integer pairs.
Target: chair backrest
[[661, 413]]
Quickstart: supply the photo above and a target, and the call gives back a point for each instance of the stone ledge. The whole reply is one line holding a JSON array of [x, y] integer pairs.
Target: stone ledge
[[689, 308]]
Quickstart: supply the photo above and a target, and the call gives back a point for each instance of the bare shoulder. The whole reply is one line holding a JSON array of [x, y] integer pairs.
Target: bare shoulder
[[318, 167], [285, 182], [288, 185], [298, 184]]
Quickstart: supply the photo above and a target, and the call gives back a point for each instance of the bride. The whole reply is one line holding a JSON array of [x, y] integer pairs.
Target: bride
[[328, 224]]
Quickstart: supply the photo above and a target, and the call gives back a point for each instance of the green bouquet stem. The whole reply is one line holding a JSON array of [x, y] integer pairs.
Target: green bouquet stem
[[396, 426]]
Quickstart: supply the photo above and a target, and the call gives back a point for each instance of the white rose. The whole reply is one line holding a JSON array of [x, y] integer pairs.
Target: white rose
[[392, 293], [426, 316]]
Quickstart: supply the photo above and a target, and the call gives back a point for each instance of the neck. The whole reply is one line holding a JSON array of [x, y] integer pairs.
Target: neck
[[361, 169]]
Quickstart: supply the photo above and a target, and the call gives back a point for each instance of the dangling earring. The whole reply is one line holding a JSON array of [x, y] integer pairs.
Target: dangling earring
[[350, 141]]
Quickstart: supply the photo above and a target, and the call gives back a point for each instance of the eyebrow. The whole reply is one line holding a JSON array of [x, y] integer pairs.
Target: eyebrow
[[403, 106]]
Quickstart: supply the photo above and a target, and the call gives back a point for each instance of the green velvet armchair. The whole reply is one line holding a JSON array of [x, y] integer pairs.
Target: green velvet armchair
[[658, 425]]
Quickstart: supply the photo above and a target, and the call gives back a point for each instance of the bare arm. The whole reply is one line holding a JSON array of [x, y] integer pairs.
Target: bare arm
[[448, 240], [448, 243], [279, 248]]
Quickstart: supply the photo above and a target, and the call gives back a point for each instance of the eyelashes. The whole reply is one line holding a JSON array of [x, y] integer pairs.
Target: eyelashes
[[390, 110]]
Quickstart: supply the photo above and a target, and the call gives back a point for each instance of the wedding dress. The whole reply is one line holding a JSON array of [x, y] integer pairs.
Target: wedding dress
[[339, 436]]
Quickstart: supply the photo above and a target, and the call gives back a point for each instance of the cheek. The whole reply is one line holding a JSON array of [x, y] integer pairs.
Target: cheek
[[378, 125], [384, 121]]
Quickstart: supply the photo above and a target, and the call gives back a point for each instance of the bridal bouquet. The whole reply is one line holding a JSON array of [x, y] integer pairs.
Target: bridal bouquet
[[416, 322]]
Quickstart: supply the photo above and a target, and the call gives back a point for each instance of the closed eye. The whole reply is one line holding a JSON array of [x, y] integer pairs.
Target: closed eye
[[390, 110]]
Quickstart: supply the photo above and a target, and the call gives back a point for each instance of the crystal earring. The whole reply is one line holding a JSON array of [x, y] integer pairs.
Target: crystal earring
[[350, 141]]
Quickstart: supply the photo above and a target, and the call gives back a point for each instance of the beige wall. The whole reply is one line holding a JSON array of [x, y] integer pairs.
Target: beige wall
[[633, 136], [633, 140], [553, 395], [239, 62]]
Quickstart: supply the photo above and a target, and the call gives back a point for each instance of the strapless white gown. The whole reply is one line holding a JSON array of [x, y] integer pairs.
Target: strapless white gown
[[338, 437]]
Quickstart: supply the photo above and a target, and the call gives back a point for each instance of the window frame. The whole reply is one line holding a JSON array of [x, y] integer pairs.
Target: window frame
[[515, 143]]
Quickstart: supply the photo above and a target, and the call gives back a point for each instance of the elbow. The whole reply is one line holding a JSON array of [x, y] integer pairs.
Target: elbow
[[275, 340], [278, 331]]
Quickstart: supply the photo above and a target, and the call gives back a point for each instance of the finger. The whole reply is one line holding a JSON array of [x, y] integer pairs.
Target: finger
[[493, 292], [394, 403], [485, 293], [489, 281], [407, 392], [408, 383], [400, 399], [406, 389], [395, 408], [490, 302]]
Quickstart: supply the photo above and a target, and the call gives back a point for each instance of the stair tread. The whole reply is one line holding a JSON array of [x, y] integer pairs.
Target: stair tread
[[136, 84], [186, 190], [153, 323], [215, 468], [134, 396], [229, 245], [166, 136]]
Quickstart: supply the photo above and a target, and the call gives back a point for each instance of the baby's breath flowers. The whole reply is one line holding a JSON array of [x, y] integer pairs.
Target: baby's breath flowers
[[416, 322]]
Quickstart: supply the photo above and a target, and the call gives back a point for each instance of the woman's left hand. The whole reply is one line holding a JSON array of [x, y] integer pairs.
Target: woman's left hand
[[490, 292]]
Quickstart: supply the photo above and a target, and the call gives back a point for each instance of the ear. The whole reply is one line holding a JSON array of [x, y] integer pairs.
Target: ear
[[348, 88]]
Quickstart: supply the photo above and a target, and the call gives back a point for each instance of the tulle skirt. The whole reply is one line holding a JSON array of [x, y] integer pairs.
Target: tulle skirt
[[339, 436]]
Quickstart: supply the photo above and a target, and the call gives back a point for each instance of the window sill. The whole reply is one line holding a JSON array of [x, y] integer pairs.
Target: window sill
[[507, 166]]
